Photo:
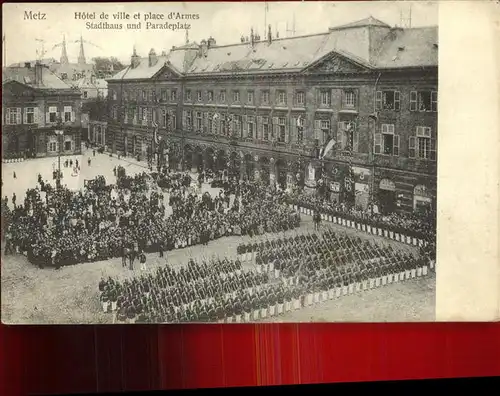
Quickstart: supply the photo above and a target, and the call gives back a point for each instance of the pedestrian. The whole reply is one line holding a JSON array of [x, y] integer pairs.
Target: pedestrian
[[15, 176], [142, 259], [88, 161]]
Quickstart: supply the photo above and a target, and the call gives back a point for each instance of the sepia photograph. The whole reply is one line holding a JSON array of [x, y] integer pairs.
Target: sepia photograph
[[219, 163]]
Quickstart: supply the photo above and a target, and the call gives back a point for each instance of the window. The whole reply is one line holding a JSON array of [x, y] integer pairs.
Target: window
[[210, 123], [422, 145], [388, 100], [222, 96], [144, 95], [52, 114], [131, 115], [349, 99], [52, 147], [67, 145], [282, 130], [386, 142], [68, 114], [348, 136], [264, 97], [236, 96], [199, 96], [325, 127], [163, 118], [265, 128], [423, 101], [251, 127], [14, 116], [85, 94], [30, 115], [300, 129], [163, 94], [223, 125], [210, 96], [173, 121], [300, 98], [250, 97], [173, 95], [189, 119], [238, 130], [144, 117], [188, 95], [153, 95], [281, 98], [325, 98], [199, 121]]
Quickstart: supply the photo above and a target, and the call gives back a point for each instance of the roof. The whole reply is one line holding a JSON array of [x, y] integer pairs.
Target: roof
[[143, 70], [369, 42], [87, 82], [26, 76], [45, 61], [415, 47], [70, 68]]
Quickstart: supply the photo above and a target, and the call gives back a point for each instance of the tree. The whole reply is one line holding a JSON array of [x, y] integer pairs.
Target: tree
[[107, 64], [96, 108]]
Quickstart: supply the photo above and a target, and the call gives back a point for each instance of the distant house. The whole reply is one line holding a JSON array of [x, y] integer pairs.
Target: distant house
[[35, 104], [92, 87]]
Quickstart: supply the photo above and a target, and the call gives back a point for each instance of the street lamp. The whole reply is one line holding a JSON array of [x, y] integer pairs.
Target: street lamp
[[59, 132]]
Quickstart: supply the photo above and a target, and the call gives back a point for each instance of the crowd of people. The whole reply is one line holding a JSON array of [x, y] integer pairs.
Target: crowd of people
[[290, 273], [418, 225], [56, 226]]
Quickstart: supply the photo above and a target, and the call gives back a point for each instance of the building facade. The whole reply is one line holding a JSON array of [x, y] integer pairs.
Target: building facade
[[301, 110], [36, 104]]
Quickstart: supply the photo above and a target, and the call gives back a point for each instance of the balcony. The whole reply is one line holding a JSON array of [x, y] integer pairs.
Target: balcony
[[409, 164]]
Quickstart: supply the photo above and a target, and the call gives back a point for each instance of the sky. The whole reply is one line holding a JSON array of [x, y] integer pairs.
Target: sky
[[226, 22]]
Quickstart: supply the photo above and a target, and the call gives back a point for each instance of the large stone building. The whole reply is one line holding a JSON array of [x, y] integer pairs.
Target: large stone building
[[265, 108], [35, 104]]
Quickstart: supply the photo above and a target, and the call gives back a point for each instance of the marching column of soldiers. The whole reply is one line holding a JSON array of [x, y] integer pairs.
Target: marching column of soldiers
[[420, 225], [291, 273]]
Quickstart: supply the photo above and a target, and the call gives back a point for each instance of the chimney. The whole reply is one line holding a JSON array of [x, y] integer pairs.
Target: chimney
[[252, 37], [269, 35], [27, 65], [203, 47], [38, 73], [135, 60], [211, 42], [153, 59]]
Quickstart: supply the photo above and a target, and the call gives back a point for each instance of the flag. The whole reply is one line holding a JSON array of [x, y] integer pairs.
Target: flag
[[156, 137]]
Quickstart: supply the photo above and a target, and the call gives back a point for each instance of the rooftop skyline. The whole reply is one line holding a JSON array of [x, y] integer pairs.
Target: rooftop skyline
[[226, 22]]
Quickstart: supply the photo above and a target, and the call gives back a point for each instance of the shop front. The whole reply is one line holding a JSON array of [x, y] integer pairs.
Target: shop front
[[422, 199], [362, 180], [387, 196]]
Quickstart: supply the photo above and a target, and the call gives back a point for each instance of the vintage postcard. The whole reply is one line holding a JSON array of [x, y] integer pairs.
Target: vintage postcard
[[220, 162]]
